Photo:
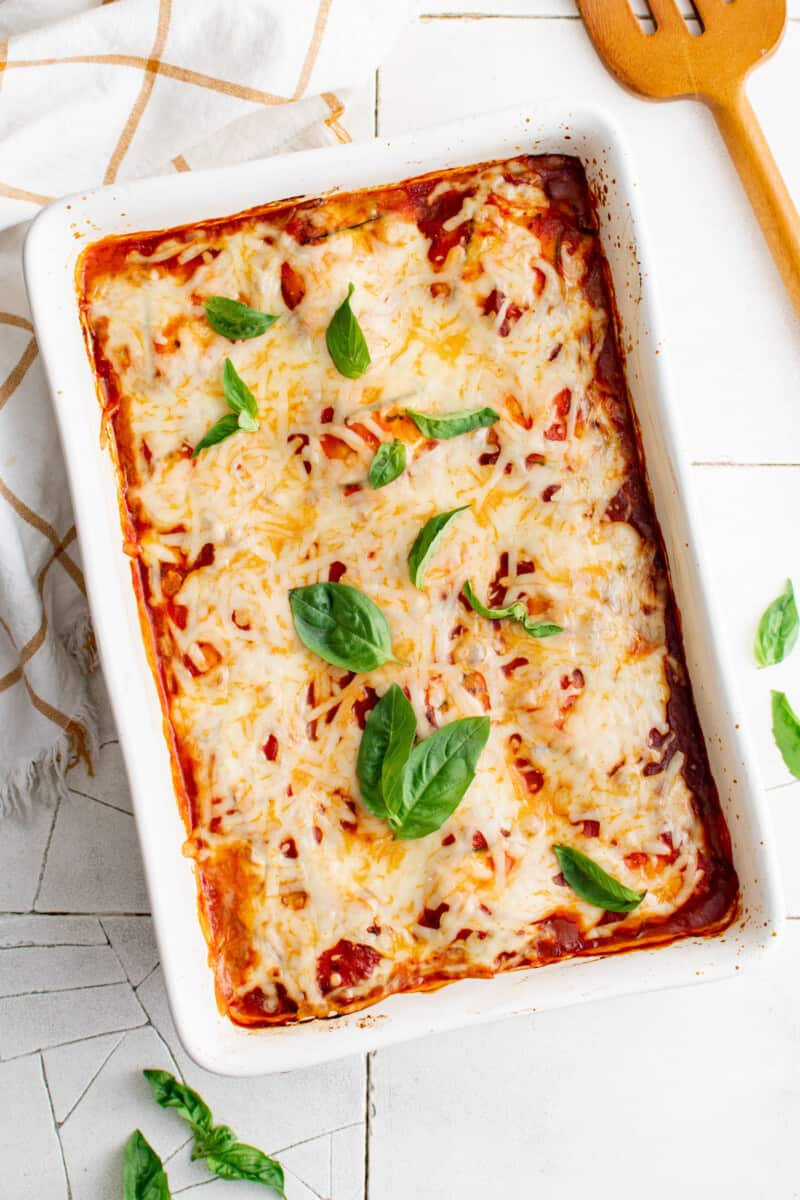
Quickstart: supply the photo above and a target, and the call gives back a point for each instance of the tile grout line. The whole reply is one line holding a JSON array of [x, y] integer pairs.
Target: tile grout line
[[70, 912], [376, 126], [742, 466], [96, 800], [55, 1126], [59, 991], [142, 982], [43, 867], [367, 1120], [313, 1137], [113, 1050], [122, 966], [69, 1042]]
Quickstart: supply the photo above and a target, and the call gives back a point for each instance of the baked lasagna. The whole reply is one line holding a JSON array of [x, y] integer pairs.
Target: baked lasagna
[[481, 289]]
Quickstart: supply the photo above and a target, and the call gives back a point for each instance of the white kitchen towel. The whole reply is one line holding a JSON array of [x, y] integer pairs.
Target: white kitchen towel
[[92, 92]]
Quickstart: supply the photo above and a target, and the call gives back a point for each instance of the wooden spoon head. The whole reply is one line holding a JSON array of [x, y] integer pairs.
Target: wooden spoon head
[[672, 61]]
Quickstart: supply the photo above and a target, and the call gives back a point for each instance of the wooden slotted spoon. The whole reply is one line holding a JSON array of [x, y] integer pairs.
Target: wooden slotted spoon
[[712, 67]]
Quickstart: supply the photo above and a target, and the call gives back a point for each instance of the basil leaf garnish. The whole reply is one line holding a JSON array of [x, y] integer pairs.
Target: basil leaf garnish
[[236, 321], [786, 731], [143, 1176], [593, 884], [777, 629], [435, 777], [169, 1092], [389, 463], [243, 414], [240, 1161], [449, 425], [217, 1144], [514, 612], [385, 745], [426, 542], [223, 429], [238, 396], [341, 625], [345, 341]]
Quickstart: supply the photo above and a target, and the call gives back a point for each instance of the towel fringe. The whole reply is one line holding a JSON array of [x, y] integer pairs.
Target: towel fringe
[[44, 780]]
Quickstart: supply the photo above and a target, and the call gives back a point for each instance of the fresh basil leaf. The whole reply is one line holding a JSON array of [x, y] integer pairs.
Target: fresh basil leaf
[[143, 1176], [238, 396], [240, 1161], [169, 1092], [537, 629], [389, 463], [786, 731], [385, 745], [426, 542], [593, 884], [435, 777], [223, 429], [341, 625], [345, 341], [216, 1141], [777, 629], [513, 612], [217, 1144], [236, 321], [449, 425], [246, 422]]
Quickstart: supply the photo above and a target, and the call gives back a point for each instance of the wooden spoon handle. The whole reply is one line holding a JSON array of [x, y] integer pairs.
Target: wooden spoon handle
[[763, 183]]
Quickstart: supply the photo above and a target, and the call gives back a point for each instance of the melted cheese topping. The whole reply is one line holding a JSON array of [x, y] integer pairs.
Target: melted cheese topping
[[481, 290]]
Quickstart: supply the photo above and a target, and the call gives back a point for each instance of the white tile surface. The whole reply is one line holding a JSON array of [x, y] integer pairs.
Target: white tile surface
[[107, 782], [670, 1094], [541, 1107], [21, 849], [56, 968], [34, 1022], [37, 930], [785, 806], [29, 1151], [347, 1164], [749, 534], [94, 863], [70, 1069], [134, 944], [116, 1103]]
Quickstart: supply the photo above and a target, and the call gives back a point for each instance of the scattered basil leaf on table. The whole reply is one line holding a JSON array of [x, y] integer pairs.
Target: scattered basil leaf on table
[[388, 464], [435, 777], [241, 1161], [593, 884], [341, 625], [426, 542], [215, 1141], [169, 1092], [387, 740], [777, 629], [346, 343], [235, 321], [243, 414], [786, 731], [217, 1144], [513, 612], [143, 1176], [449, 425]]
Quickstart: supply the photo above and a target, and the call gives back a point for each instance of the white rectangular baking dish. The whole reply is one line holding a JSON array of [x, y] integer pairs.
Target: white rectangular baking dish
[[54, 243]]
